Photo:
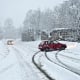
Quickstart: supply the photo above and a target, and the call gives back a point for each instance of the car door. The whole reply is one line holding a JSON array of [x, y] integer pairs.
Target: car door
[[57, 45], [51, 46], [54, 45]]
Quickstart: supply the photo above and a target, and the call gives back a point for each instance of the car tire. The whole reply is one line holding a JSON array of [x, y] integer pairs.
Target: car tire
[[42, 49], [46, 49], [63, 48]]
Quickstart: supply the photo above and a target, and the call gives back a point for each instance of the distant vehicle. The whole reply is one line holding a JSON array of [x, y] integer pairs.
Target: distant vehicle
[[51, 45], [10, 42]]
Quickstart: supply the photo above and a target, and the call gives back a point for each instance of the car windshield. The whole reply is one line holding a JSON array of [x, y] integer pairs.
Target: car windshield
[[56, 42]]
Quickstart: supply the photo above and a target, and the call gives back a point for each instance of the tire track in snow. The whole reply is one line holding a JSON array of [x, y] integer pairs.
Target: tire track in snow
[[61, 64], [37, 71], [4, 52], [7, 68], [72, 69], [27, 69], [43, 71], [69, 57]]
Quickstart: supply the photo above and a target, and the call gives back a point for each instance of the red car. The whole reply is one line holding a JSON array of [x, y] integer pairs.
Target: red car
[[51, 45]]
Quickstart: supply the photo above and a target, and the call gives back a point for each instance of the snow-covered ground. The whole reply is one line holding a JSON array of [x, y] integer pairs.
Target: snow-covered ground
[[16, 61]]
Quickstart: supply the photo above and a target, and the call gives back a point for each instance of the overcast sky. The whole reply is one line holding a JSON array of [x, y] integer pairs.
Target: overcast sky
[[17, 9]]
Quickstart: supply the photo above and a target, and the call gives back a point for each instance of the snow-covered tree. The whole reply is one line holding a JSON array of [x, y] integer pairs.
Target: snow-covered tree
[[69, 13], [1, 31], [48, 20], [9, 29]]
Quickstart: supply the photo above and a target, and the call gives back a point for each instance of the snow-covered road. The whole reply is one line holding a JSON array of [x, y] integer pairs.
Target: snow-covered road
[[16, 62]]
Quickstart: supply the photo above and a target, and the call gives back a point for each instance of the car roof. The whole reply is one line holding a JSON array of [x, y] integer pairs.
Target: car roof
[[50, 40]]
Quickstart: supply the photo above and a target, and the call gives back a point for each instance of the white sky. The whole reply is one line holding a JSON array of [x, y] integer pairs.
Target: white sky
[[17, 9]]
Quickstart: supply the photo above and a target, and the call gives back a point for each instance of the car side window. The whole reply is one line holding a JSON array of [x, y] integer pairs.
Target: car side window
[[46, 42], [51, 42]]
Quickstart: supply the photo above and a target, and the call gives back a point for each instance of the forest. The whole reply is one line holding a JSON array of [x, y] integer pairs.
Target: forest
[[66, 15]]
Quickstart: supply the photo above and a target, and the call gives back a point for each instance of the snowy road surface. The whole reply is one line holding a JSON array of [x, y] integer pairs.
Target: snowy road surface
[[16, 62]]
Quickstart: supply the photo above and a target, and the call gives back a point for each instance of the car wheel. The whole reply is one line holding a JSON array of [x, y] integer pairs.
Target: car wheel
[[41, 49], [47, 49], [63, 48]]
